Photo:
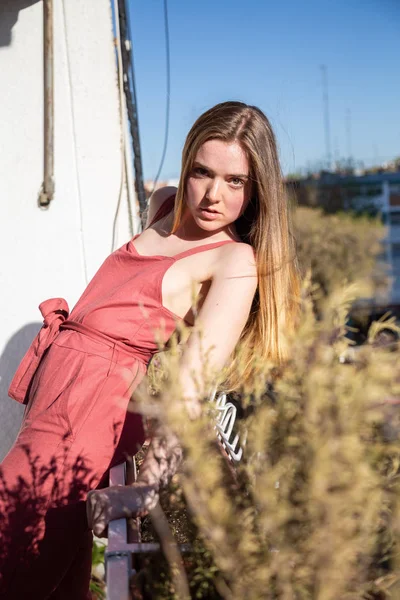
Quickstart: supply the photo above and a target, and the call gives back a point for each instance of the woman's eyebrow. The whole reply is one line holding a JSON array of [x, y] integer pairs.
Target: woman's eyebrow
[[239, 175], [198, 164]]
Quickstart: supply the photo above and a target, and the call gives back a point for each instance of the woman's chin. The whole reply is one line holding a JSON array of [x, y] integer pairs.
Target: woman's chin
[[209, 226], [204, 224]]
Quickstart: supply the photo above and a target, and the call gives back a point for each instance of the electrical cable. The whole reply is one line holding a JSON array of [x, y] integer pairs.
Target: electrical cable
[[168, 96], [75, 153], [131, 102], [123, 130]]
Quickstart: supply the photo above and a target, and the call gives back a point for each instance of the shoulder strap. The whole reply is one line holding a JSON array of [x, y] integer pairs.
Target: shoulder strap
[[164, 209], [202, 248]]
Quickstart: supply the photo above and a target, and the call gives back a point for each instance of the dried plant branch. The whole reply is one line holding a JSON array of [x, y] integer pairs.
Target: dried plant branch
[[171, 553]]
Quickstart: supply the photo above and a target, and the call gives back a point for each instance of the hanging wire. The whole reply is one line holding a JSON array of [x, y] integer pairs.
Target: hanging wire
[[168, 96], [131, 103], [123, 125], [68, 45]]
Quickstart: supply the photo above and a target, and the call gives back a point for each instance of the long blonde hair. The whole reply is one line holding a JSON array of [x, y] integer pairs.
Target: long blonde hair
[[265, 225]]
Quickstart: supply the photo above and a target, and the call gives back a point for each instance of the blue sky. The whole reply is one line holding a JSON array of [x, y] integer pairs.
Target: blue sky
[[269, 53]]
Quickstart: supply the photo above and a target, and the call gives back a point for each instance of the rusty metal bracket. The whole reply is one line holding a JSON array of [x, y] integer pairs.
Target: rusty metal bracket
[[47, 188]]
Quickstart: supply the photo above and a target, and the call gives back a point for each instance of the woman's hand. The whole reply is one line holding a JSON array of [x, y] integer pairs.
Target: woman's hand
[[108, 504], [162, 459]]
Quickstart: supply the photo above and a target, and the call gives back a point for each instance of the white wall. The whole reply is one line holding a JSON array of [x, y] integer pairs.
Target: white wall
[[49, 253]]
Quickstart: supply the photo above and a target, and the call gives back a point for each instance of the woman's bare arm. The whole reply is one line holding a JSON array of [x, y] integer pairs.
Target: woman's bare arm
[[220, 321]]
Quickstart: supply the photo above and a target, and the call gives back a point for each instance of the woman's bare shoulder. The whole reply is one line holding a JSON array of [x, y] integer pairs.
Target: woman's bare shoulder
[[239, 251], [156, 201], [236, 260]]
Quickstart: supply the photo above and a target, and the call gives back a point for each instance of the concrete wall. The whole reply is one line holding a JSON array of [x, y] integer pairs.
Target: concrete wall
[[50, 253]]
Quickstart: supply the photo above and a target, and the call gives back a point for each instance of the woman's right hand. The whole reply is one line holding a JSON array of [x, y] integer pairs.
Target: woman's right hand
[[108, 504]]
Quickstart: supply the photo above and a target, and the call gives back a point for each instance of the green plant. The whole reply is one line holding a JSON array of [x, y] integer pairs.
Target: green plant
[[97, 586]]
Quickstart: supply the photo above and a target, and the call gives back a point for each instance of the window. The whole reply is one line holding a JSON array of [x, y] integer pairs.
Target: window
[[395, 251], [394, 218]]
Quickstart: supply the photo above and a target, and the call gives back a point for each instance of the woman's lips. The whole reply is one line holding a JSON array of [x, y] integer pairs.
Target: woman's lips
[[209, 213]]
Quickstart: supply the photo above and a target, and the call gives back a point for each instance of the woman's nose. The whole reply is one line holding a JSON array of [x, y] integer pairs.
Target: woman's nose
[[213, 191]]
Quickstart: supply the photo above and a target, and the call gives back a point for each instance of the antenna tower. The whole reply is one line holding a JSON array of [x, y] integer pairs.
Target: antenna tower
[[325, 101], [348, 137]]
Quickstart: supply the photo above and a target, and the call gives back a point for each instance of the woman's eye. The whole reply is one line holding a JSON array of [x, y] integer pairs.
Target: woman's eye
[[200, 171], [237, 182]]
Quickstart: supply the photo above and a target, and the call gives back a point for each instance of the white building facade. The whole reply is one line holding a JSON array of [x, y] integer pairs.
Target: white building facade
[[54, 252], [382, 192]]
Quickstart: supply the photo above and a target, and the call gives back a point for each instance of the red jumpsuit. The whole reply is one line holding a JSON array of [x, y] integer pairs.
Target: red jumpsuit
[[77, 379]]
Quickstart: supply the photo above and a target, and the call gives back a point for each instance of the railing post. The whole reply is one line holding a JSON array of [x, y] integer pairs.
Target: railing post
[[118, 562]]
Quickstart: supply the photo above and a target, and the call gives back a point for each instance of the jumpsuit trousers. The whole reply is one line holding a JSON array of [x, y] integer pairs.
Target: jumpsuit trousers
[[64, 449]]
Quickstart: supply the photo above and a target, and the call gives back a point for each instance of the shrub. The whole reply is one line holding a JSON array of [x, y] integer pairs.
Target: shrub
[[339, 249], [314, 512]]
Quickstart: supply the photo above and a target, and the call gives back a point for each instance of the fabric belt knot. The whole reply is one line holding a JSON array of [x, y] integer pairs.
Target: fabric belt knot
[[54, 312]]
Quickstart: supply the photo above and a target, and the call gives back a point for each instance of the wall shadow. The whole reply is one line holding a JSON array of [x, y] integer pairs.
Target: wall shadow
[[9, 12], [11, 412]]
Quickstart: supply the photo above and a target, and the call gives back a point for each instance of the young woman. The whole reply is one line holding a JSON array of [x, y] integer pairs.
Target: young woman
[[225, 230]]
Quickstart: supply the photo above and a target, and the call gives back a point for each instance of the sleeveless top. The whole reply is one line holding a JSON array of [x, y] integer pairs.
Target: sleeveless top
[[124, 298]]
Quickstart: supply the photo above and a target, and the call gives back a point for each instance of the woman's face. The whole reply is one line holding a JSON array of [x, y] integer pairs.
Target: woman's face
[[218, 187]]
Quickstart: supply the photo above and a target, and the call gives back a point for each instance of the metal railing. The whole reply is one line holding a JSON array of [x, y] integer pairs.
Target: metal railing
[[122, 555], [124, 542]]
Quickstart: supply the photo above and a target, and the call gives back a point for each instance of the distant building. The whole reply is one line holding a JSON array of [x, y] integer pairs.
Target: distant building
[[380, 193], [55, 252], [377, 193]]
